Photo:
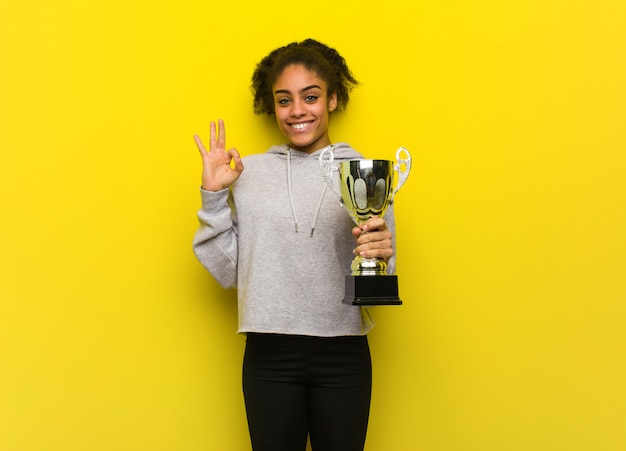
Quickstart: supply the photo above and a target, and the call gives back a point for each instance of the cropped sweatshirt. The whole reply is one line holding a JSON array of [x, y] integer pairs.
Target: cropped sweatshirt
[[282, 238]]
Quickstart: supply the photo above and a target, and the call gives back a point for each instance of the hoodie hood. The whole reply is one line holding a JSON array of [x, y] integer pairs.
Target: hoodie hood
[[341, 152]]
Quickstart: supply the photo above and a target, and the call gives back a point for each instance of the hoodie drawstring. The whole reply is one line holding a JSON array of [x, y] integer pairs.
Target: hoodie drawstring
[[293, 209], [317, 212]]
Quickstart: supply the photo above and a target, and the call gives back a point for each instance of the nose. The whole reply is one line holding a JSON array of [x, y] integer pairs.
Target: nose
[[298, 109]]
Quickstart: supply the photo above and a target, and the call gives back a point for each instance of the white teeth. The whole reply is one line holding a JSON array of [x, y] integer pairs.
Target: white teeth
[[300, 126]]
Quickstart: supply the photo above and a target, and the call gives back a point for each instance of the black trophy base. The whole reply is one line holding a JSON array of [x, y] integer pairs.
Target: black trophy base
[[372, 290]]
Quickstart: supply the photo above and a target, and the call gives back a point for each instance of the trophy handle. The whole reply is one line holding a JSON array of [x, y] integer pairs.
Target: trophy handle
[[402, 167], [328, 169]]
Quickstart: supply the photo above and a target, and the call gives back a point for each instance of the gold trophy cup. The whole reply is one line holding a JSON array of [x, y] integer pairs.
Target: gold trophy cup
[[366, 189]]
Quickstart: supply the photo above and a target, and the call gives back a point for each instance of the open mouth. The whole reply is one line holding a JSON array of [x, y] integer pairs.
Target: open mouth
[[301, 125]]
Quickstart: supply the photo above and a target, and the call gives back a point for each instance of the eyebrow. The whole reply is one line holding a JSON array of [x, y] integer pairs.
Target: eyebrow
[[286, 91]]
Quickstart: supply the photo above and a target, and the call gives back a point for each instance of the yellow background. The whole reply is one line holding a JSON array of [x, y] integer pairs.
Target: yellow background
[[511, 228]]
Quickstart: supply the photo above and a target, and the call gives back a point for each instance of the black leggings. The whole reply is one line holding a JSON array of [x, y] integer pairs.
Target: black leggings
[[296, 386]]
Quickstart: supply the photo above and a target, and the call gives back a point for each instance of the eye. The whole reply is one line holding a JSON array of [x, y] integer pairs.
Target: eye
[[310, 98], [282, 101]]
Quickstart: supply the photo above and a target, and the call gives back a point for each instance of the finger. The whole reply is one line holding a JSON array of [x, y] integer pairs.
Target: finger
[[385, 254], [199, 144], [375, 223], [221, 136], [234, 154], [212, 136], [376, 239], [369, 252], [381, 245]]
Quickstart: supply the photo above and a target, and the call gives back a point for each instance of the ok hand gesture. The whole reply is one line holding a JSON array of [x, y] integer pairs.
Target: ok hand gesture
[[217, 171]]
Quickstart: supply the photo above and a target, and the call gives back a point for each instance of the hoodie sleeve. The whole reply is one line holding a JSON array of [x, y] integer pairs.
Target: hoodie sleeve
[[215, 241]]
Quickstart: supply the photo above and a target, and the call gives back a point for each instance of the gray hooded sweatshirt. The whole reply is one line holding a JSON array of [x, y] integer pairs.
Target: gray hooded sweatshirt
[[283, 239]]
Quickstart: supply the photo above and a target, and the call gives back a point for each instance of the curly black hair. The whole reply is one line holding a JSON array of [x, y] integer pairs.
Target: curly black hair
[[326, 62]]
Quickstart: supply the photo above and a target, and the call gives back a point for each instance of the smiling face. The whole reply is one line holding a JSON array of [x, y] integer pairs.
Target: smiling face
[[302, 106]]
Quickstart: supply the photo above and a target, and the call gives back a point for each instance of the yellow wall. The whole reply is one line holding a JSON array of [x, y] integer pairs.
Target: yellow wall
[[511, 227]]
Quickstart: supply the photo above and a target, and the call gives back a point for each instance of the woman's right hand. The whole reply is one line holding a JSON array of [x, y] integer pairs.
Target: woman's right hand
[[217, 171]]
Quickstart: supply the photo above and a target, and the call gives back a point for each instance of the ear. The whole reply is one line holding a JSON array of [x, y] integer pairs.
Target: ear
[[332, 101]]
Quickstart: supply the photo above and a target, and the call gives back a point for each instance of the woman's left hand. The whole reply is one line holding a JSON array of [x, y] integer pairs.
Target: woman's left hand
[[373, 239]]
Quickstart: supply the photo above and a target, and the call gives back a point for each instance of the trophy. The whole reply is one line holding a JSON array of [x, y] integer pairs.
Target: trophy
[[366, 189]]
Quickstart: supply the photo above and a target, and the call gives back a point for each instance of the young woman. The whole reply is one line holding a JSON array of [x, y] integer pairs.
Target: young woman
[[274, 232]]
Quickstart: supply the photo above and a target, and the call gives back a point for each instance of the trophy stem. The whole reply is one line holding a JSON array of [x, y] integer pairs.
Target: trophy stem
[[362, 266]]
